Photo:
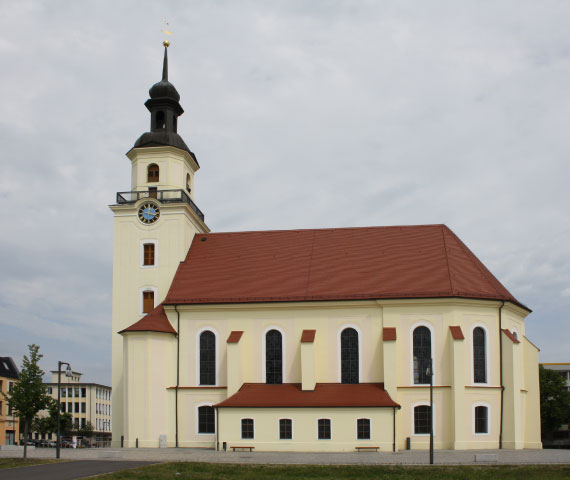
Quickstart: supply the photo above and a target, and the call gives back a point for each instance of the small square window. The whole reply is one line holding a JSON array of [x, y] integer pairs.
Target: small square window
[[324, 426], [247, 428], [363, 429], [285, 429]]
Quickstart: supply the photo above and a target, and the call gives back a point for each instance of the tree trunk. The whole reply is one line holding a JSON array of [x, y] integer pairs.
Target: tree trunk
[[26, 424]]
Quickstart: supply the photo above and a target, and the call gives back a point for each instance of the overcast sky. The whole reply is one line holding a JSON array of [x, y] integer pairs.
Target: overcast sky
[[302, 114]]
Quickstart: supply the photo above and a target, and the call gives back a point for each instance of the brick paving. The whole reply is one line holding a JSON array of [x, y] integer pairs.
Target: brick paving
[[449, 457]]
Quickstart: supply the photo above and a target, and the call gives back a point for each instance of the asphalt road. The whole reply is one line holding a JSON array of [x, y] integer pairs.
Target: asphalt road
[[68, 470]]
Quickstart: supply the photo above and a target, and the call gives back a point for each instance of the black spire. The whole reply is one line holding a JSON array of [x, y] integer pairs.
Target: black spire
[[164, 107]]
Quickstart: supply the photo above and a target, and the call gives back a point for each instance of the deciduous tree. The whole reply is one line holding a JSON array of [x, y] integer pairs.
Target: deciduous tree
[[29, 394]]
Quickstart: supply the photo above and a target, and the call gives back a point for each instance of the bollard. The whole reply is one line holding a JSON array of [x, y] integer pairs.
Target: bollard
[[137, 443], [122, 441], [408, 443], [224, 446]]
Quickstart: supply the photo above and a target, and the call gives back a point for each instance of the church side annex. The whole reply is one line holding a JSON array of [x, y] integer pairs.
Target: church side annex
[[303, 340]]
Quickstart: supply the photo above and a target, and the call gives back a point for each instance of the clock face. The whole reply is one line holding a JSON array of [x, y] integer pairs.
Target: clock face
[[149, 213]]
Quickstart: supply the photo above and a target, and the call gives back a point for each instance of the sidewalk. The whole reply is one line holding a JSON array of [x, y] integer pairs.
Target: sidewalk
[[449, 457]]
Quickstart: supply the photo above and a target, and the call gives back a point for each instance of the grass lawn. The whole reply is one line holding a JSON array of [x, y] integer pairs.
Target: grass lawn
[[275, 472], [20, 462]]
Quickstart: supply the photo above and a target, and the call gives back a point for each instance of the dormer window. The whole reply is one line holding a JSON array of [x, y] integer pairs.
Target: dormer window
[[153, 173]]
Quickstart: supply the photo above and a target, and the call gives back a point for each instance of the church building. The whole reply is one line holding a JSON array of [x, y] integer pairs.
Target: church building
[[303, 340]]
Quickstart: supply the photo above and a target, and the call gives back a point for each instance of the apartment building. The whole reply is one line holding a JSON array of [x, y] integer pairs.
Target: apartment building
[[9, 424]]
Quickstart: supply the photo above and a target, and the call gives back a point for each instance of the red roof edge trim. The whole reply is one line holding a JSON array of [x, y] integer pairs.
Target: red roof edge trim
[[235, 336], [456, 332], [511, 336], [389, 334], [308, 336], [155, 321]]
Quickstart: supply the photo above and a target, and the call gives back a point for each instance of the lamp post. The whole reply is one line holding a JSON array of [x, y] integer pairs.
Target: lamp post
[[68, 373], [429, 372]]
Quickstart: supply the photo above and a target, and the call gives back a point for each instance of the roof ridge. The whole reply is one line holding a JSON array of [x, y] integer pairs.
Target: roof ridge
[[280, 230], [478, 264], [447, 259]]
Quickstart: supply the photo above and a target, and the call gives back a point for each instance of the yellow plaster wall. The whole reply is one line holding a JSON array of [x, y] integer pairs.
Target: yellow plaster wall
[[173, 165], [149, 405], [304, 420]]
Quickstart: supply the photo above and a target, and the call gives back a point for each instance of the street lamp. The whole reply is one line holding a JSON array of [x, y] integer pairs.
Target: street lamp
[[68, 373], [429, 373]]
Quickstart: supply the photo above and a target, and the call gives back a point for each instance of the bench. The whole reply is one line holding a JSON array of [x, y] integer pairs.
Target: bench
[[240, 447], [367, 449]]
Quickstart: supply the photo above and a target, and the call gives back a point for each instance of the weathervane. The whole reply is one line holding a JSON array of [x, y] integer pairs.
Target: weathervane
[[166, 43]]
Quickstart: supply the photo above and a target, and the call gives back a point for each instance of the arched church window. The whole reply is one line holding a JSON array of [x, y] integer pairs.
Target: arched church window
[[153, 173], [207, 358], [160, 120], [206, 419], [422, 354], [349, 355], [479, 356], [273, 357]]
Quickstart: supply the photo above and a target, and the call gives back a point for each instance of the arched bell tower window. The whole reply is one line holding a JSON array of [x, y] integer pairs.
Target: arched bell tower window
[[273, 357], [422, 354], [188, 183], [349, 355], [153, 173], [160, 120]]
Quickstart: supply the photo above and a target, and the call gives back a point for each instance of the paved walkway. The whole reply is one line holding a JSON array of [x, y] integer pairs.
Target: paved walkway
[[449, 457], [67, 470]]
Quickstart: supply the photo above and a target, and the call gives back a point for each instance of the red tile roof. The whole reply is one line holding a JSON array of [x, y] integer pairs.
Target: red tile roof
[[235, 336], [260, 395], [389, 334], [155, 321], [427, 261], [308, 336], [456, 332], [510, 335]]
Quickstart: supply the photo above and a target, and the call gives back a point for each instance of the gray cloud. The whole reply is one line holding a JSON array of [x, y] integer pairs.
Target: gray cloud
[[302, 115]]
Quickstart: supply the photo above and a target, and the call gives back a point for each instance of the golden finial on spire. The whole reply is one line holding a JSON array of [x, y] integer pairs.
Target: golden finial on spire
[[166, 43]]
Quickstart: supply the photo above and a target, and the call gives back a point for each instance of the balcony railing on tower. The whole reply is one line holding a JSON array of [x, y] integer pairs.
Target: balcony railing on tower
[[163, 196]]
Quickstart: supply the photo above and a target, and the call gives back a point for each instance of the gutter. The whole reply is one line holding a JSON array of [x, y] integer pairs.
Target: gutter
[[501, 373], [177, 371]]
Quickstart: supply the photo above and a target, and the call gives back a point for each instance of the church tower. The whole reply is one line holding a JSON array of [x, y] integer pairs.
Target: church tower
[[154, 223]]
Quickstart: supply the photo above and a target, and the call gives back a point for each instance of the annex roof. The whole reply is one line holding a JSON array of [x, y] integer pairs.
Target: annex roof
[[263, 395], [155, 321], [8, 368], [426, 261]]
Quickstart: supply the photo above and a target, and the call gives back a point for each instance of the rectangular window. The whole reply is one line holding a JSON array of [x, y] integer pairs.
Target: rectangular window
[[247, 428], [62, 407], [324, 429], [206, 419], [363, 429], [49, 390], [481, 423], [148, 301], [83, 422], [70, 392], [70, 407], [64, 392], [422, 419], [83, 408], [76, 392], [83, 392], [11, 386], [148, 254], [285, 429]]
